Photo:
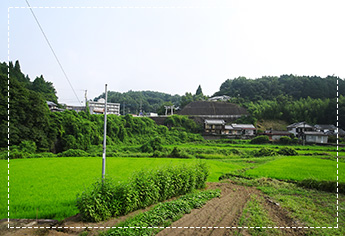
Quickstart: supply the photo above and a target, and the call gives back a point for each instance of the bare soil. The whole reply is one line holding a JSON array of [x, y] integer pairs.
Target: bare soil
[[221, 212]]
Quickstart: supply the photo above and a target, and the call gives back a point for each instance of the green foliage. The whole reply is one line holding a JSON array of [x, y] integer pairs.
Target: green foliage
[[184, 122], [152, 145], [28, 146], [144, 188], [265, 152], [260, 139], [73, 153], [149, 101], [270, 87], [285, 140], [179, 153], [95, 203], [45, 88], [199, 91], [162, 214], [287, 151]]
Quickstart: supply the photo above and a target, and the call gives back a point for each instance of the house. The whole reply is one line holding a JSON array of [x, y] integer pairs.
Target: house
[[276, 135], [298, 128], [98, 107], [240, 129], [230, 130], [315, 137], [326, 128], [53, 107], [214, 126], [76, 108]]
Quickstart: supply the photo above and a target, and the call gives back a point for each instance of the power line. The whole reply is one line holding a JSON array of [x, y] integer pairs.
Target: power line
[[51, 48]]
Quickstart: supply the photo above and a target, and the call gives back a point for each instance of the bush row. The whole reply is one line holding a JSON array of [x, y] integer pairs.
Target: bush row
[[106, 199], [162, 214], [285, 151]]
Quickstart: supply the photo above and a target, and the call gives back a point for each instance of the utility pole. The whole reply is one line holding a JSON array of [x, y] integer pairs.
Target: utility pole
[[105, 133], [141, 108], [85, 100]]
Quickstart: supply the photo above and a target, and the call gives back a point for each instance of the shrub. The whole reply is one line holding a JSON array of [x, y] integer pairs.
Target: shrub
[[41, 155], [159, 154], [265, 152], [152, 145], [285, 140], [106, 199], [94, 203], [28, 146], [178, 153], [15, 153], [73, 153], [260, 139], [287, 151]]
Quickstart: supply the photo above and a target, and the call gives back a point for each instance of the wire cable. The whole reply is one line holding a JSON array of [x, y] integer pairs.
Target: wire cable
[[51, 48]]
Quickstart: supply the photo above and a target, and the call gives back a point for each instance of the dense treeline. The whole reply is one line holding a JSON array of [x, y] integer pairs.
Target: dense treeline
[[134, 102], [313, 111], [268, 88]]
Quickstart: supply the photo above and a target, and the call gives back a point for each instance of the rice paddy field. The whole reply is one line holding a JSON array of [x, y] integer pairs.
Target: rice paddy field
[[46, 188]]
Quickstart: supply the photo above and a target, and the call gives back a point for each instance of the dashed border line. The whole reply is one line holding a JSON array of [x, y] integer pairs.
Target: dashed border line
[[87, 227]]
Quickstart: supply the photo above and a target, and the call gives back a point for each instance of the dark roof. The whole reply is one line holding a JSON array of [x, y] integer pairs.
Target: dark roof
[[215, 122], [323, 127], [212, 108], [51, 104], [300, 125]]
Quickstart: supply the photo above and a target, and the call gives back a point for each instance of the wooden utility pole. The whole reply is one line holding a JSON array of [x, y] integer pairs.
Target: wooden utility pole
[[105, 133]]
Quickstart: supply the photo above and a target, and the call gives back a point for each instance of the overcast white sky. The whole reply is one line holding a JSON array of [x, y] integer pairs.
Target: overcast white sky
[[173, 50]]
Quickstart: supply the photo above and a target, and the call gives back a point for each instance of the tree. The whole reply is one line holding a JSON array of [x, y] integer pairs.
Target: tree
[[199, 91], [45, 88]]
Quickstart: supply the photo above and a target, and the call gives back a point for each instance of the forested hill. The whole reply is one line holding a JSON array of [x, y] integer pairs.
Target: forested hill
[[148, 101], [268, 88], [39, 85]]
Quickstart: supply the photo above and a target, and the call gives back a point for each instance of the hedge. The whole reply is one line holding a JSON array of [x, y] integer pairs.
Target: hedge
[[108, 199]]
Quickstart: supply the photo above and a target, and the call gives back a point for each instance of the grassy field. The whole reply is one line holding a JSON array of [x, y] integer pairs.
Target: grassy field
[[299, 168], [48, 186]]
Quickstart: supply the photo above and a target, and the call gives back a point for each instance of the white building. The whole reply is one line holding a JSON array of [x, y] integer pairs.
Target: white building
[[315, 137], [98, 107]]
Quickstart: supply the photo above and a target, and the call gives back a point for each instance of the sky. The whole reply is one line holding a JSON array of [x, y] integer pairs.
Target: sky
[[171, 46]]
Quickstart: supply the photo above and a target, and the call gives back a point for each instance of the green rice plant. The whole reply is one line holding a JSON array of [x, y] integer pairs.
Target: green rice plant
[[299, 168], [51, 184]]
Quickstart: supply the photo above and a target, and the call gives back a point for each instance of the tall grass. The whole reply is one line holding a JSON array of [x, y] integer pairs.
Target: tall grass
[[105, 198]]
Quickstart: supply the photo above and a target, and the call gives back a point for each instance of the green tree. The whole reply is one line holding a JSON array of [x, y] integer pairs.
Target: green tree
[[199, 91]]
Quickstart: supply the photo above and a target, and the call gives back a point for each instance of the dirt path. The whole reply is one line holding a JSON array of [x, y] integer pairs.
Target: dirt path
[[225, 212], [219, 212]]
